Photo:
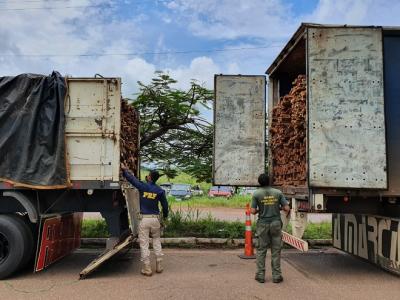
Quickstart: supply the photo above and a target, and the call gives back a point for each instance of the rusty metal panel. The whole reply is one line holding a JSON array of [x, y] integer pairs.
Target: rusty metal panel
[[92, 128], [239, 136], [132, 199], [347, 147]]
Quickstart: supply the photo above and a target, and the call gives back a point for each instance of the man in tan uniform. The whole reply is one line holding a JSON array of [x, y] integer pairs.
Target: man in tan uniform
[[150, 196]]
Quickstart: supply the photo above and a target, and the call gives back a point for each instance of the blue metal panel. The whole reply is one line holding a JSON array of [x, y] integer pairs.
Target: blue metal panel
[[391, 48]]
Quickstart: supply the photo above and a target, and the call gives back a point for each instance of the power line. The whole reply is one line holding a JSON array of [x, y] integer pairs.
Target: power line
[[52, 8], [142, 53], [69, 1], [32, 1], [62, 7]]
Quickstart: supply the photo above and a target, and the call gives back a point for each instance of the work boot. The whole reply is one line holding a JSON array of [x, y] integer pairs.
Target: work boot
[[260, 278], [146, 269], [277, 280], [159, 267]]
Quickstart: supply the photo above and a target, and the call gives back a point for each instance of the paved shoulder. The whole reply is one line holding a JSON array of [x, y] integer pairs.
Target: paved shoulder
[[207, 274]]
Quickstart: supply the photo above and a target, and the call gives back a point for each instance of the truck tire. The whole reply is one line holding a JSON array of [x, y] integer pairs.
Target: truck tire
[[14, 244], [29, 249]]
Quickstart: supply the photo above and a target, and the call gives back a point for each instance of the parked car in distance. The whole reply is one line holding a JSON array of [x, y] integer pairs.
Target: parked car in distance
[[181, 191], [220, 191], [197, 191], [166, 187], [248, 191]]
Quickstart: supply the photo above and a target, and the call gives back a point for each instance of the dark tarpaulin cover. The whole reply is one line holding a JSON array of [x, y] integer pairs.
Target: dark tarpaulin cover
[[32, 141]]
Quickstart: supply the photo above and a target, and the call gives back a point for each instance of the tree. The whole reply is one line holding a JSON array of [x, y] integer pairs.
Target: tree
[[173, 131]]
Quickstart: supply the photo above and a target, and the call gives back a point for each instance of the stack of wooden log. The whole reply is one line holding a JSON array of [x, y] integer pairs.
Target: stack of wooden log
[[129, 137], [288, 136]]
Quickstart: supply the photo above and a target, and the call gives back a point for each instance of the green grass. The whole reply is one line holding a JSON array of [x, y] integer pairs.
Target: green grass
[[315, 231], [236, 201], [94, 229], [192, 224]]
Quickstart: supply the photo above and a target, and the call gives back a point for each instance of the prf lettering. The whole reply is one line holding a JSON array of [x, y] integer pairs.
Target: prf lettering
[[150, 196], [269, 200]]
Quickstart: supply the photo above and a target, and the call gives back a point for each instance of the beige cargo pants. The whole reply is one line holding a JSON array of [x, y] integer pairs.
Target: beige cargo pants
[[149, 225]]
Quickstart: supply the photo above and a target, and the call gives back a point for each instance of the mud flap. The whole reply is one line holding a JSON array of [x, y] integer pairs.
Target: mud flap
[[133, 206], [373, 238], [59, 236]]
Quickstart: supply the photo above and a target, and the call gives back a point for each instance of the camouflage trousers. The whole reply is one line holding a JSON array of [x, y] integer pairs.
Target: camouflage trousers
[[149, 226], [269, 235]]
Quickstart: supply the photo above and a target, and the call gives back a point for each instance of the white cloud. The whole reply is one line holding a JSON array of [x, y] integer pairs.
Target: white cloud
[[357, 12], [230, 19], [239, 23], [63, 32], [201, 69], [233, 68], [268, 20], [79, 31]]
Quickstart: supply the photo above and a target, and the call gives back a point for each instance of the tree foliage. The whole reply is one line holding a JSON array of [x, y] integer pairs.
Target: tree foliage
[[174, 134]]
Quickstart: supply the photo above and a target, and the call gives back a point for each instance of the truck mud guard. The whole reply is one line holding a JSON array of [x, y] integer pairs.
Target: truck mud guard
[[59, 236], [373, 238], [24, 201]]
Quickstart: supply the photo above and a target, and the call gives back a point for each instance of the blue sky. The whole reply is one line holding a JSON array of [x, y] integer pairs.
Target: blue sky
[[40, 36]]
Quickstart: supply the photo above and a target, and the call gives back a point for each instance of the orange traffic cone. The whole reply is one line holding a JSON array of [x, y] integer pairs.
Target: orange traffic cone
[[248, 237]]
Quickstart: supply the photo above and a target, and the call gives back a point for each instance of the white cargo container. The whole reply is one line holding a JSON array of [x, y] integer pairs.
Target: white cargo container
[[93, 113]]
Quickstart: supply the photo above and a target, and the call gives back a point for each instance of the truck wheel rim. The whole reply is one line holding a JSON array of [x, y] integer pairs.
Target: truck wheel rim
[[4, 248]]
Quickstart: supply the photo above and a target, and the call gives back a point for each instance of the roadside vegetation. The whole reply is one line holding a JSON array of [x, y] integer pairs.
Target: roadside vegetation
[[94, 229], [186, 220], [237, 201], [192, 223]]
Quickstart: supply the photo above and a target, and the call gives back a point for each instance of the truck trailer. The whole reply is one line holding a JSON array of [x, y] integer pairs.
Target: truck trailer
[[333, 134], [81, 120]]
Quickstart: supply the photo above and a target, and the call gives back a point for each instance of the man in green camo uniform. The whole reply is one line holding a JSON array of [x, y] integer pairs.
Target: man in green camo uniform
[[268, 202]]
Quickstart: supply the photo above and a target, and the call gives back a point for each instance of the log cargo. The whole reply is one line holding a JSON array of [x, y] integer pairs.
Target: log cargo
[[288, 136], [129, 137]]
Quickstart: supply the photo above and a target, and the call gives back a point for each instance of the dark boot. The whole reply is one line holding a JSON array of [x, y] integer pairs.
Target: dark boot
[[277, 280], [260, 278]]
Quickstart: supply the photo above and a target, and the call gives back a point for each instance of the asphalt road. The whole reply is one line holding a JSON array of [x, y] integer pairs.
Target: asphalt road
[[207, 274]]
